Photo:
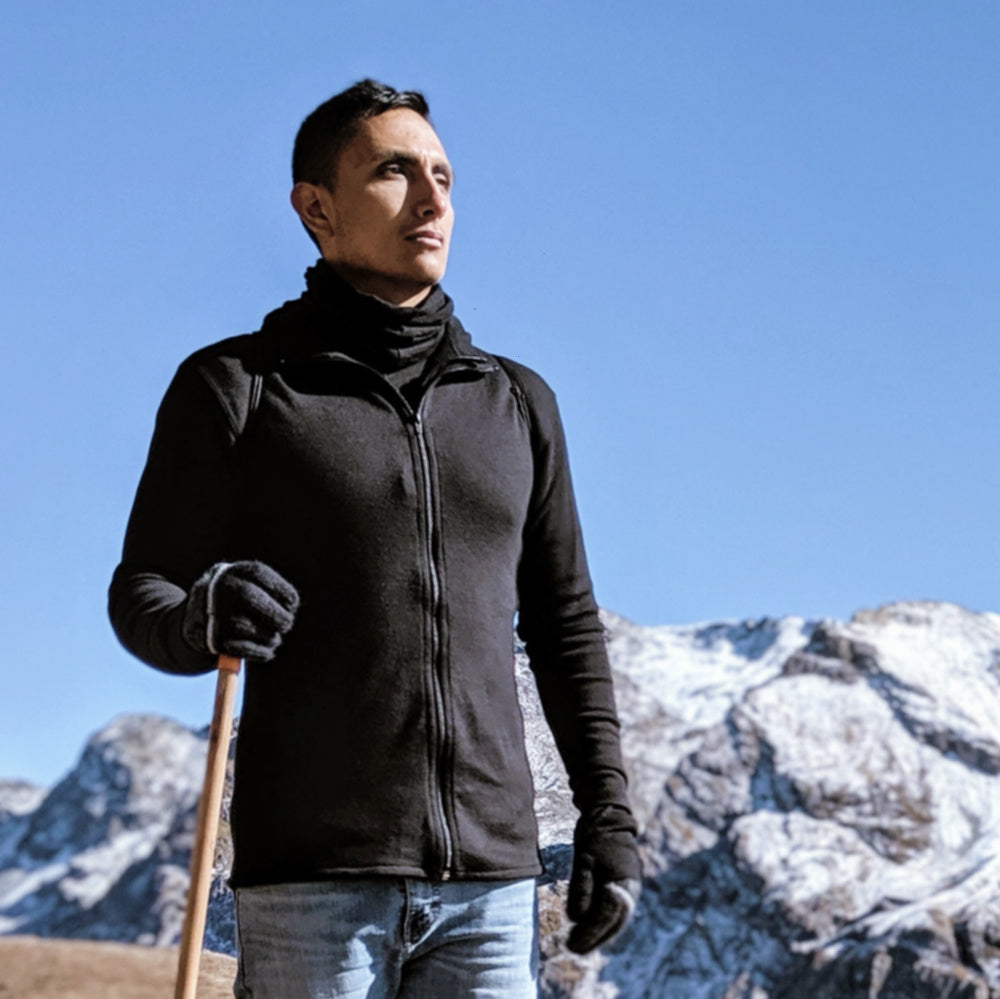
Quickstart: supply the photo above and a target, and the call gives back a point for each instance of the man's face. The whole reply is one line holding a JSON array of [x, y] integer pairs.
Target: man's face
[[389, 209]]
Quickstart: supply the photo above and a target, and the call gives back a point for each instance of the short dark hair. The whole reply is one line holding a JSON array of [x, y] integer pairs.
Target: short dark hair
[[323, 135]]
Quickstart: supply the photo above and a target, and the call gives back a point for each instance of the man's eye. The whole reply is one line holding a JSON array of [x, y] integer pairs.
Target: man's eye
[[391, 168]]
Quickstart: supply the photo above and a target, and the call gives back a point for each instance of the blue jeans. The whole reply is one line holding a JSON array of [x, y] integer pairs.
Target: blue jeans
[[388, 938]]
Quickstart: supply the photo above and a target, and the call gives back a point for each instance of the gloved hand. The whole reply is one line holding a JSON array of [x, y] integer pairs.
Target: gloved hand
[[605, 883], [239, 609]]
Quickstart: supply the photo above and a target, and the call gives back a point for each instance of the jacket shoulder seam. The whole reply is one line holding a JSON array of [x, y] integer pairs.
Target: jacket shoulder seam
[[519, 392], [230, 372]]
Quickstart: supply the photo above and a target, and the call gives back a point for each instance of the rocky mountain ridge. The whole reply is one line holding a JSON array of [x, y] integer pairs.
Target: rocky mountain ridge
[[819, 801]]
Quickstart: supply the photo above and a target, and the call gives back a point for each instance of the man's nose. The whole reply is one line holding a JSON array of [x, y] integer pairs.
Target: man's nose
[[434, 200]]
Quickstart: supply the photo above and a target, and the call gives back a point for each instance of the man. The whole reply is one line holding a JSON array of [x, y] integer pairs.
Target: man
[[356, 500]]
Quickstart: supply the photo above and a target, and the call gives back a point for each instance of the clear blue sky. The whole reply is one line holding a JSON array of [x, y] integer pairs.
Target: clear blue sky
[[752, 245]]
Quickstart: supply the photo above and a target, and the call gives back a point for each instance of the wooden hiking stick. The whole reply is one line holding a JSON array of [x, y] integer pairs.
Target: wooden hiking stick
[[207, 829]]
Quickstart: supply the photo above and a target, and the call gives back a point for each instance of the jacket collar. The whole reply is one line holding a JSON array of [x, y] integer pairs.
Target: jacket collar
[[331, 319]]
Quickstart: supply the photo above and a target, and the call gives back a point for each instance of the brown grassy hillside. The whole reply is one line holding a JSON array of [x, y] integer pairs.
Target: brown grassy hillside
[[31, 968]]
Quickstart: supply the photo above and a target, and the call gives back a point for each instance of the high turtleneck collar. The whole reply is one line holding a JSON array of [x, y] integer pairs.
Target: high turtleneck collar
[[388, 337]]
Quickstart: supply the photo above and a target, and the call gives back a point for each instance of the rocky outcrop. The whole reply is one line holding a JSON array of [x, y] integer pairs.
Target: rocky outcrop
[[104, 854], [820, 805], [832, 830]]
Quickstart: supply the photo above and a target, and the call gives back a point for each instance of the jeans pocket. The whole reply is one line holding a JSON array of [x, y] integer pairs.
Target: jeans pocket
[[240, 990]]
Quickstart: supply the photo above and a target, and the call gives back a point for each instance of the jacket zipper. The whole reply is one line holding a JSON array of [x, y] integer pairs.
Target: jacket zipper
[[437, 685], [437, 681]]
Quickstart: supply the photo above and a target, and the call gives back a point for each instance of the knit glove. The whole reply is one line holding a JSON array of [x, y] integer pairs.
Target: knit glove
[[239, 609], [606, 879]]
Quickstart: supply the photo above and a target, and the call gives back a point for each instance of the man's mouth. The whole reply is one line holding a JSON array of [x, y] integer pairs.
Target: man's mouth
[[430, 238]]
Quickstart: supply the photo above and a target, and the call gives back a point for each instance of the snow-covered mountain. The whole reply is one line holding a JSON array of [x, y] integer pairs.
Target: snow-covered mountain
[[820, 806]]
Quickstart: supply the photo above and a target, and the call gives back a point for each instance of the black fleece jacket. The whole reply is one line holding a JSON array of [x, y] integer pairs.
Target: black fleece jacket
[[414, 519]]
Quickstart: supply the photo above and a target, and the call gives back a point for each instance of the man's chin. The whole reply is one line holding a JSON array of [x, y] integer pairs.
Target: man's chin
[[428, 269]]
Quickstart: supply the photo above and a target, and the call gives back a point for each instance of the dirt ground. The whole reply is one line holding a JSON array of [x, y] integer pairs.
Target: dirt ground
[[31, 968]]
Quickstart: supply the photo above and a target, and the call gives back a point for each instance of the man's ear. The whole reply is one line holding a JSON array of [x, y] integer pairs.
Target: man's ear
[[314, 206]]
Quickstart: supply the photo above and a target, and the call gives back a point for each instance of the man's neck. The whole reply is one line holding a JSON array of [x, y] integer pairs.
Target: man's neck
[[387, 290]]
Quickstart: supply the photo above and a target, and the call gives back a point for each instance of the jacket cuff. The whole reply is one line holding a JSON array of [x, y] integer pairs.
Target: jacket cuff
[[199, 624]]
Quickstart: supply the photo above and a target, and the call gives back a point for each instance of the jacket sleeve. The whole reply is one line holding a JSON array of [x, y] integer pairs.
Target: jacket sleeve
[[180, 522], [559, 623]]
